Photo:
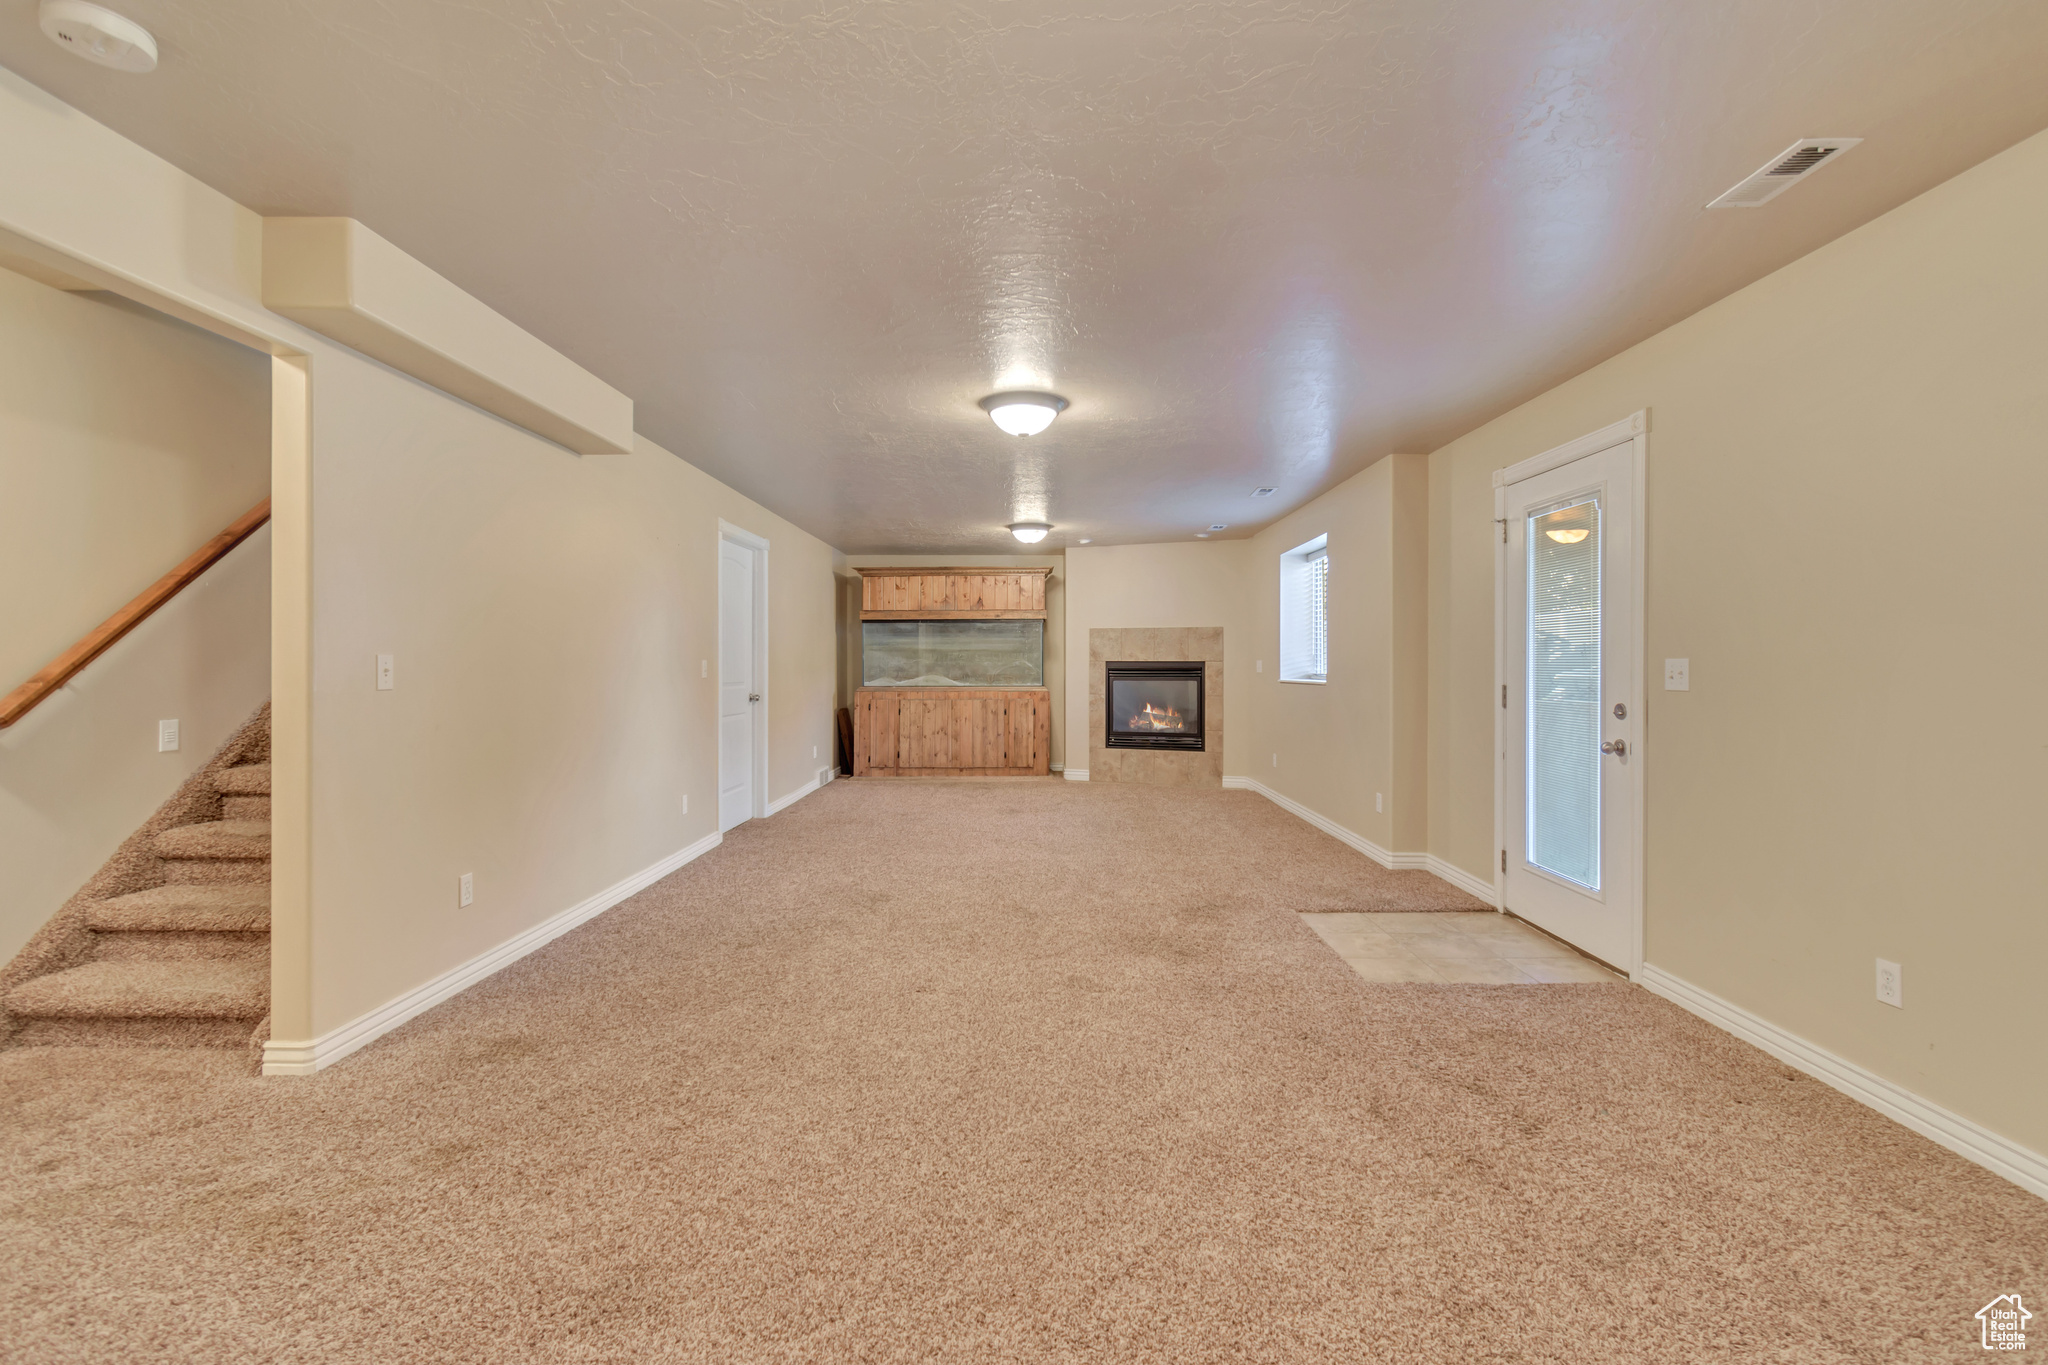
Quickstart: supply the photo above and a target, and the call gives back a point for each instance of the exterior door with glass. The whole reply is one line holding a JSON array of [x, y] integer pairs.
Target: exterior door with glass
[[1571, 698]]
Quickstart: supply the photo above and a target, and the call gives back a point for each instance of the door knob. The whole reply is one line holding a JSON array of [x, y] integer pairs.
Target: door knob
[[753, 696], [1617, 747]]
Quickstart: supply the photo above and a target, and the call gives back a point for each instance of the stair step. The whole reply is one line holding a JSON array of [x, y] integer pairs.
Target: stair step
[[188, 988], [250, 779], [216, 840], [234, 908]]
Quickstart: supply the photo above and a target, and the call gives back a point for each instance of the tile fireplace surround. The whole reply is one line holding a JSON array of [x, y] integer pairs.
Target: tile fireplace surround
[[1158, 767]]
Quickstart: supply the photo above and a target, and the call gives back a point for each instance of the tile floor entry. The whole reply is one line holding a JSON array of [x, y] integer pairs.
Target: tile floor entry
[[1479, 947]]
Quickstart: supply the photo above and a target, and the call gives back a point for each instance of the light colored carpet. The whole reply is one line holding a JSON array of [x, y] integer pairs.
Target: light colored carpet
[[992, 1087], [168, 944]]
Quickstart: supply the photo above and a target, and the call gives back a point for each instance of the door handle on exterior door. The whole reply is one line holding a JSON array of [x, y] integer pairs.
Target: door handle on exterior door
[[753, 696], [1617, 747]]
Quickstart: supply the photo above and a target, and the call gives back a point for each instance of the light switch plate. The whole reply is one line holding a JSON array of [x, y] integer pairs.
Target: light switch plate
[[467, 888], [1379, 803], [1678, 675], [387, 673], [1891, 986], [167, 736]]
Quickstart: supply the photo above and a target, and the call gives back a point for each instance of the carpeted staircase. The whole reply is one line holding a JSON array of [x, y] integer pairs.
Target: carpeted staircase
[[169, 944]]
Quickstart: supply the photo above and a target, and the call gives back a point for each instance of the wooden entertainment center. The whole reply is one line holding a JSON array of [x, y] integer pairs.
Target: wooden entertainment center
[[953, 728]]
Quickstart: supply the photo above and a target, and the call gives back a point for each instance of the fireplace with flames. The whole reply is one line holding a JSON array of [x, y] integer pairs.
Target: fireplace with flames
[[1154, 706]]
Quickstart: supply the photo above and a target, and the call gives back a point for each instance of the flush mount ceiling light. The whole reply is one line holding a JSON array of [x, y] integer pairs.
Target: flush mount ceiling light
[[1264, 492], [1023, 414], [1570, 536], [1030, 532], [99, 35]]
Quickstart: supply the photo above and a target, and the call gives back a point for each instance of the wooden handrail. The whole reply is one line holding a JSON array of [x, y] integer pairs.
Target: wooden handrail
[[65, 666]]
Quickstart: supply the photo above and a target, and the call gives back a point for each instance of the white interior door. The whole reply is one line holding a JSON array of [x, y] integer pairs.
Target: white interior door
[[1572, 702], [739, 696]]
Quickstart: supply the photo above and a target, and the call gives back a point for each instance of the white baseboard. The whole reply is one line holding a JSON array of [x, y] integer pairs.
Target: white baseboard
[[1328, 826], [1057, 767], [305, 1058], [1075, 774], [1426, 862], [783, 803], [1971, 1141], [1463, 880]]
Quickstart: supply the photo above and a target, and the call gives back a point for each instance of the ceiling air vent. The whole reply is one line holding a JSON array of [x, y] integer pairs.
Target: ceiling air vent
[[1802, 159]]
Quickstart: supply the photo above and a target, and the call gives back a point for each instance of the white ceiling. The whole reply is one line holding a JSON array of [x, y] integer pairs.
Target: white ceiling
[[1254, 243]]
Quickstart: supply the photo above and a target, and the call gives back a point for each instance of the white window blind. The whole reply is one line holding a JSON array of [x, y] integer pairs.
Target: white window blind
[[1564, 692], [1317, 580], [1305, 612]]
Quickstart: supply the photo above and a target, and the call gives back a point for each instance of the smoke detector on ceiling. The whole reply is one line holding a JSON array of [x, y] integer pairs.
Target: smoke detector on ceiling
[[97, 34], [1802, 159]]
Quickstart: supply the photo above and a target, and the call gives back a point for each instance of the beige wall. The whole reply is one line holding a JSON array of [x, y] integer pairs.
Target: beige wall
[[81, 772], [1117, 587], [1846, 484], [548, 613], [1055, 623], [551, 618], [1341, 744], [127, 440]]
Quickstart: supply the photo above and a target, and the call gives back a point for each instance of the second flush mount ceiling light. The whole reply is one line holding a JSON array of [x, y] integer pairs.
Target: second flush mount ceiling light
[[1023, 413], [99, 35]]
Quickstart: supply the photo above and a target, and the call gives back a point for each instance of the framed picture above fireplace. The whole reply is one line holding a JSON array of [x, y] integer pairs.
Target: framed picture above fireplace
[[1153, 705]]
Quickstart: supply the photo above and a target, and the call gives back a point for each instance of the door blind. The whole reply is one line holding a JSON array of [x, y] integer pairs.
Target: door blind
[[1564, 691]]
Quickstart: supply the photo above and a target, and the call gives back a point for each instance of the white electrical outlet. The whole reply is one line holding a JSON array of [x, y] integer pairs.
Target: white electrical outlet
[[1258, 665], [1379, 803], [1891, 987], [703, 668], [1678, 675], [686, 805], [387, 674], [467, 892], [814, 751], [1276, 760], [167, 736]]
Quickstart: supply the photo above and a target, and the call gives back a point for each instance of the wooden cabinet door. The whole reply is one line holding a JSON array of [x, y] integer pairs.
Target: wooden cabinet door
[[1023, 745], [874, 732], [925, 737], [984, 724]]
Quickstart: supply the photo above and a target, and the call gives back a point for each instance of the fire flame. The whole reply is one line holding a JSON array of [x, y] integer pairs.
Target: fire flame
[[1152, 718]]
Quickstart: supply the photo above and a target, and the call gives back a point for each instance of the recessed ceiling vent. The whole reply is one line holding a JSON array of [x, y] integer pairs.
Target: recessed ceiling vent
[[1802, 159]]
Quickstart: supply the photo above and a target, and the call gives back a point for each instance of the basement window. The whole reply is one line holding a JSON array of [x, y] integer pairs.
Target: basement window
[[1305, 612]]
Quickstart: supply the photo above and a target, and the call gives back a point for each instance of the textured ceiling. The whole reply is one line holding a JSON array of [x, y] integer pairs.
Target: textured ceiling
[[1254, 243]]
